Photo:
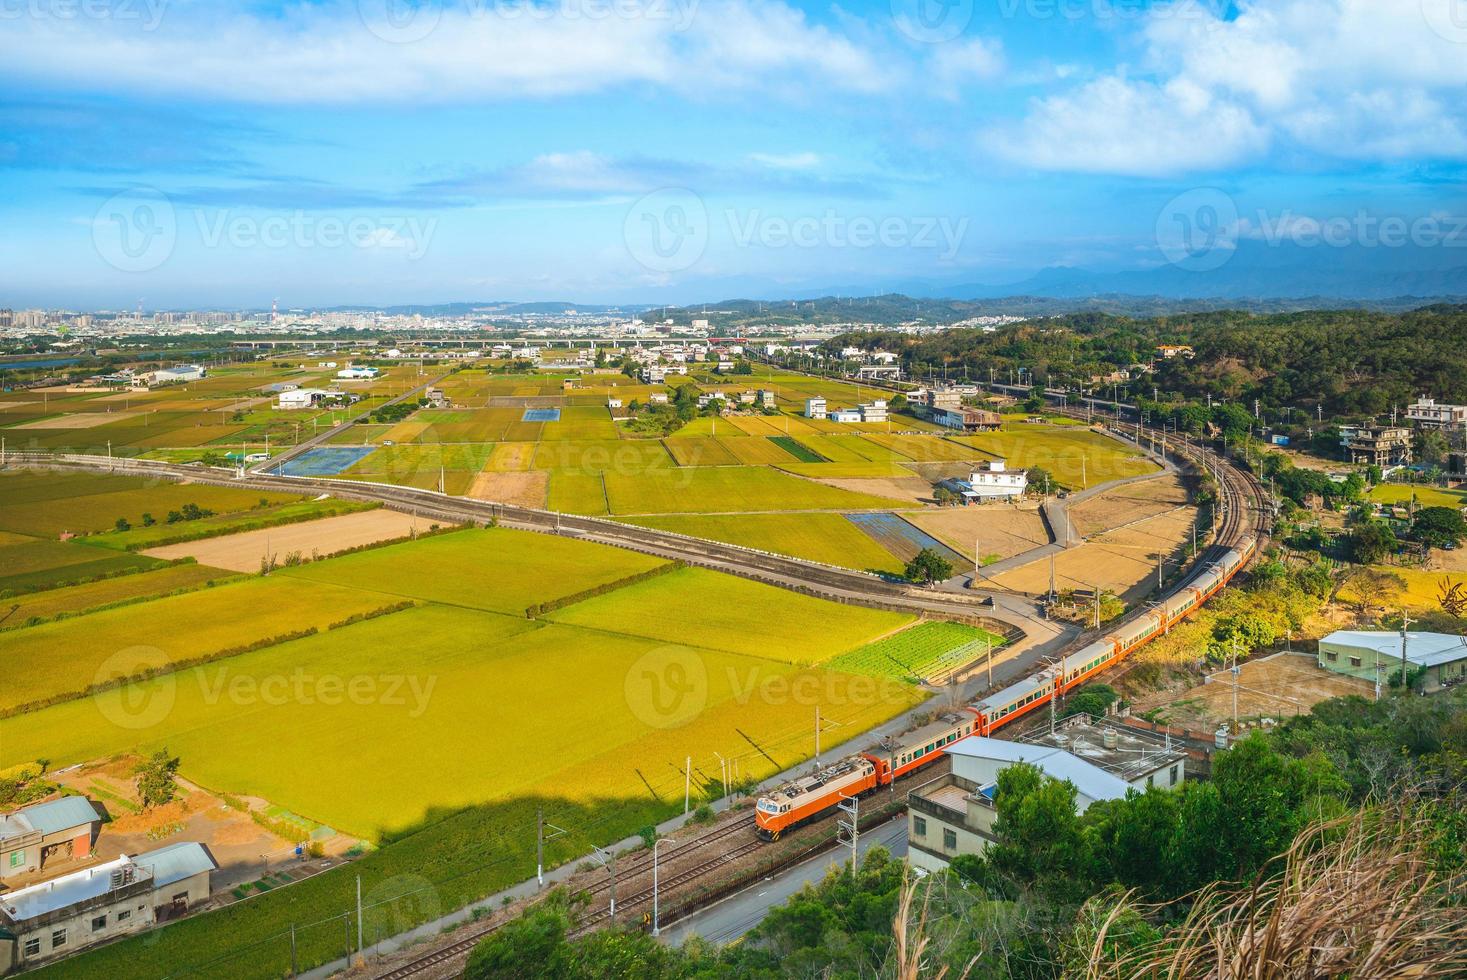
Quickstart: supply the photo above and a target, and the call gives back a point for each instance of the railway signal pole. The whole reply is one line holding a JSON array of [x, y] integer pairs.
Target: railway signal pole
[[851, 827], [540, 840]]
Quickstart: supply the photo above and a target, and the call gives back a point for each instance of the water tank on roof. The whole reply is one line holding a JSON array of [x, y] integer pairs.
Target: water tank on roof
[[1109, 738], [1220, 737]]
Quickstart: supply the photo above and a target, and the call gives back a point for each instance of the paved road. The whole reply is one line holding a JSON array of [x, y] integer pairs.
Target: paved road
[[731, 918], [273, 464]]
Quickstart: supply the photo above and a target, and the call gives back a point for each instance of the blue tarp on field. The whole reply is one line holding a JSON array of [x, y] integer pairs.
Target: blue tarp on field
[[900, 537], [325, 460], [542, 415]]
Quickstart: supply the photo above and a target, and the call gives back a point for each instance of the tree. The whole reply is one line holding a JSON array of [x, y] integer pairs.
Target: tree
[[156, 782], [944, 496], [927, 567], [1039, 837], [1373, 587], [1091, 699], [148, 519], [1439, 526], [122, 524], [1039, 480], [1371, 542]]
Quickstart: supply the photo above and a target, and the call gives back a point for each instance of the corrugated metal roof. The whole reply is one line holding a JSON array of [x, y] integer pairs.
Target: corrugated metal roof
[[1091, 780], [176, 862], [58, 815], [1422, 649]]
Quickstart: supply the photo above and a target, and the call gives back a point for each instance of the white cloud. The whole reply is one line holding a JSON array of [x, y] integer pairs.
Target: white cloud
[[786, 161], [1112, 125], [963, 62], [1352, 79], [473, 51]]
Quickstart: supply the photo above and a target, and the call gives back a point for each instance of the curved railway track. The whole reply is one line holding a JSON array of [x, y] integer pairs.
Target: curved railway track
[[1239, 493]]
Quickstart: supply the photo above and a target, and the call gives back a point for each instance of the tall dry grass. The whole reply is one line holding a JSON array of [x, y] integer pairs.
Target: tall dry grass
[[1357, 897]]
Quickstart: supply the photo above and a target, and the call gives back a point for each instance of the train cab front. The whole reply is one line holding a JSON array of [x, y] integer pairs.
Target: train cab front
[[770, 819]]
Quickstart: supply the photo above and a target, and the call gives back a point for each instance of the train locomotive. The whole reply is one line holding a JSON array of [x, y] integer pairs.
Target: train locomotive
[[808, 798]]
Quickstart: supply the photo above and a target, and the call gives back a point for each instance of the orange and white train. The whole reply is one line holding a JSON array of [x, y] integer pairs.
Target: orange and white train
[[810, 797]]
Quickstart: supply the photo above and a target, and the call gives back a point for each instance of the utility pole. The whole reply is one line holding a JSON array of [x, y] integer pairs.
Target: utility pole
[[817, 734], [1405, 622], [359, 915], [1236, 671], [687, 783], [851, 806], [540, 840], [988, 643]]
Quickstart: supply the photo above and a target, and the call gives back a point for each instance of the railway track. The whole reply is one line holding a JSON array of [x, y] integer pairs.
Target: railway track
[[843, 585], [1241, 496]]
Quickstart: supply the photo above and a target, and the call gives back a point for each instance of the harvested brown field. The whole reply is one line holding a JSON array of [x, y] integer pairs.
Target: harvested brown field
[[1125, 504], [995, 529], [1122, 561], [511, 456], [523, 489], [1277, 687], [79, 420], [244, 552], [915, 489]]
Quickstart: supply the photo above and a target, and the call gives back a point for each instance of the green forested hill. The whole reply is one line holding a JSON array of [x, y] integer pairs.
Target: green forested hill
[[1350, 361]]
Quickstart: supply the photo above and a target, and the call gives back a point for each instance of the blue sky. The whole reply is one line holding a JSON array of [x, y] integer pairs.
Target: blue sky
[[184, 153]]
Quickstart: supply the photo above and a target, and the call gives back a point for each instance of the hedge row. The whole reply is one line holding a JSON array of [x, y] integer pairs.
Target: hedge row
[[541, 608], [119, 603], [152, 672], [362, 617], [333, 508]]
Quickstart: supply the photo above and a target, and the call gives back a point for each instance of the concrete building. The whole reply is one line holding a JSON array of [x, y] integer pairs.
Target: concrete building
[[1143, 759], [874, 411], [44, 835], [766, 398], [299, 398], [1376, 445], [657, 398], [358, 374], [122, 896], [992, 481], [944, 398], [967, 419], [1427, 414], [815, 408], [176, 375], [1376, 654], [955, 813], [845, 415]]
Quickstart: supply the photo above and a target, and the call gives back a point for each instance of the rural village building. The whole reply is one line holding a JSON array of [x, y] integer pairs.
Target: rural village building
[[1427, 414], [122, 896], [45, 834], [955, 813], [1377, 445], [1376, 654]]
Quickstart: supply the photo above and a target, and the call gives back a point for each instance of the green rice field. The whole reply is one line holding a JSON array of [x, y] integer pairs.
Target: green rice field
[[921, 651], [828, 538]]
